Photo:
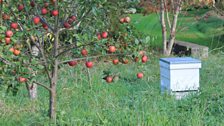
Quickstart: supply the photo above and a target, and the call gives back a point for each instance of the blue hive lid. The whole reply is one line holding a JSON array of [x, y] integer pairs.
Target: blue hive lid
[[180, 60]]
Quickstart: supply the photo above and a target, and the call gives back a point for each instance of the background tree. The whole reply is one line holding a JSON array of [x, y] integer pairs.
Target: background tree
[[168, 42]]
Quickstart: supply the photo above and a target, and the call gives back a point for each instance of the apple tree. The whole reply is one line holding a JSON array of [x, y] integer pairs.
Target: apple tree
[[40, 36]]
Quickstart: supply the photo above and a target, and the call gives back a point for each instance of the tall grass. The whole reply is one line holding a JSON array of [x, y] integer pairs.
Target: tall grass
[[129, 101]]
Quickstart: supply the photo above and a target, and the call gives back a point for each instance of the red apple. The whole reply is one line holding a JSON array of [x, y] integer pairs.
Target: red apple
[[73, 17], [54, 12], [36, 20], [122, 20], [16, 52], [125, 61], [20, 7], [44, 11], [127, 19], [144, 59], [72, 63], [32, 3], [140, 75], [98, 36], [45, 26], [136, 59], [104, 34], [22, 79], [9, 33], [115, 61], [66, 25], [89, 64], [5, 17], [109, 79], [7, 40], [70, 21], [112, 49], [84, 52], [14, 25]]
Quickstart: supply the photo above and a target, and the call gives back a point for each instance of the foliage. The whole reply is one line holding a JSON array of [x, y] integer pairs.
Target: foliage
[[59, 30], [92, 17]]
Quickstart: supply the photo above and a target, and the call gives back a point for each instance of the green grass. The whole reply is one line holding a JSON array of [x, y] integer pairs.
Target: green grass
[[205, 32], [129, 101]]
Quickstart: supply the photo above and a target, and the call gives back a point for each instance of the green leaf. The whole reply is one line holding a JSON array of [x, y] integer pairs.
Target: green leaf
[[3, 28]]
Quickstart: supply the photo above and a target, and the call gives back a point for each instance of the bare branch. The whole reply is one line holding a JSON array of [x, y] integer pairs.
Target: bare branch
[[69, 47], [219, 11], [42, 85], [173, 27], [5, 61], [173, 7], [84, 58], [40, 48], [167, 14]]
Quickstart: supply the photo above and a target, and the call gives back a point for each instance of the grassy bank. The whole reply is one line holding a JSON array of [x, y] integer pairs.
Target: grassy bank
[[191, 27], [129, 101]]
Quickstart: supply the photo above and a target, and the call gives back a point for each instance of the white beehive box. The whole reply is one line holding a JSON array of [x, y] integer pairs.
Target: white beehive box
[[179, 74]]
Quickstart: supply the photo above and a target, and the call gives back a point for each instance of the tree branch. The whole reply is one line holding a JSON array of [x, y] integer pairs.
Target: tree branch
[[69, 47], [45, 60], [167, 14], [42, 85], [5, 61], [78, 23], [173, 27], [42, 19], [84, 58], [22, 29], [172, 5]]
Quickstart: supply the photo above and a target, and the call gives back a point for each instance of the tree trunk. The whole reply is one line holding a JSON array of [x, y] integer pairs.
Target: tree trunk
[[53, 92], [173, 28], [33, 87], [33, 91], [54, 79], [168, 45], [163, 25]]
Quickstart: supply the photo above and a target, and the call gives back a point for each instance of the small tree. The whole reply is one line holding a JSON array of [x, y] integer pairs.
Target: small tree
[[164, 19], [42, 35]]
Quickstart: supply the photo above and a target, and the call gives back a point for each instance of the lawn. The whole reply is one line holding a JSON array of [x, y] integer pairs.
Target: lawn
[[208, 32], [89, 100], [128, 101]]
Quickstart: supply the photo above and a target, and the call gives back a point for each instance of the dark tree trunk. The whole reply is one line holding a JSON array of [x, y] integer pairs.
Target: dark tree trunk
[[53, 92], [54, 79]]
